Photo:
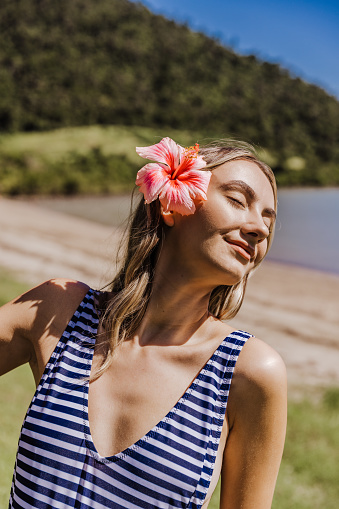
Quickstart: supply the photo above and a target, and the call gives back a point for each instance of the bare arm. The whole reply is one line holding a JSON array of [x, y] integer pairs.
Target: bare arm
[[257, 415], [31, 324], [16, 349]]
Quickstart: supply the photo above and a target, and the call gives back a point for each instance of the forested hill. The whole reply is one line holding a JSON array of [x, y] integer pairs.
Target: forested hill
[[83, 62]]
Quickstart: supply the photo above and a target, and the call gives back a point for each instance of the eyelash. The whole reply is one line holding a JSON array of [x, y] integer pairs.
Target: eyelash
[[235, 203]]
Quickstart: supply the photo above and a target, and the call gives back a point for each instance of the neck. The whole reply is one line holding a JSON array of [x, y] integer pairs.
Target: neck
[[178, 308]]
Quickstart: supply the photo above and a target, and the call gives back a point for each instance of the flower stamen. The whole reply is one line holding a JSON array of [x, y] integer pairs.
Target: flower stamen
[[192, 152], [189, 154]]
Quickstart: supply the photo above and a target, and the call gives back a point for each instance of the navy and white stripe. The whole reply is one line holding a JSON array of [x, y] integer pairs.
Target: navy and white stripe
[[57, 465]]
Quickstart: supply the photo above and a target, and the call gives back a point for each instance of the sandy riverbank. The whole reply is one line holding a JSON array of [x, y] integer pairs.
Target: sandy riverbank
[[293, 309]]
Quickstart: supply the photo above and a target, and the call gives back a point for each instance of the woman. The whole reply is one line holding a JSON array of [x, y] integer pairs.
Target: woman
[[151, 358]]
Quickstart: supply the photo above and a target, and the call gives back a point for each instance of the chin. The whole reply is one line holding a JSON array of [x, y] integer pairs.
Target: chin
[[228, 271], [235, 280], [232, 277], [238, 271]]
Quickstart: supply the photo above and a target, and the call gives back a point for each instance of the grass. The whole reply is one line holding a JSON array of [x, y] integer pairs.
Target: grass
[[309, 473], [16, 390], [308, 477], [79, 160], [9, 287], [112, 140], [82, 160]]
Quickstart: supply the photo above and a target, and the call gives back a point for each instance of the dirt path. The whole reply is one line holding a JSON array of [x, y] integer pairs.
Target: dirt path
[[294, 310]]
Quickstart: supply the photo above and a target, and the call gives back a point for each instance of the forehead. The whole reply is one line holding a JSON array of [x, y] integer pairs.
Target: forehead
[[246, 172]]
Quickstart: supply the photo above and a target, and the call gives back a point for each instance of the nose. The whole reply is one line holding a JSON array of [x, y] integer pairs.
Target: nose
[[256, 228]]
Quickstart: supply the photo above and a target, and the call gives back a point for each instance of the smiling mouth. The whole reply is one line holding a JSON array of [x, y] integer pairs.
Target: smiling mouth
[[243, 250]]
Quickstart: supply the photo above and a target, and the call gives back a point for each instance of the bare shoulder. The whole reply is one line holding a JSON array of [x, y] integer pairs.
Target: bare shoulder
[[31, 324], [259, 378], [260, 365], [50, 304], [63, 292]]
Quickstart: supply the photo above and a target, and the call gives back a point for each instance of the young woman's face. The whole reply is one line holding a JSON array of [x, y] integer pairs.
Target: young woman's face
[[227, 235]]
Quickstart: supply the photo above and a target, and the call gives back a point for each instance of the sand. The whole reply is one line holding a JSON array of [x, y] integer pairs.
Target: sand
[[293, 309]]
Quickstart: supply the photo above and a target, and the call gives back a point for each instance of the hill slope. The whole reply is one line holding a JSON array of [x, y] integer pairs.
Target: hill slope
[[113, 62]]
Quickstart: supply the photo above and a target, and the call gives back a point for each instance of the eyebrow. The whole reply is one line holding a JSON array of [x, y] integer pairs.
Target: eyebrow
[[236, 185]]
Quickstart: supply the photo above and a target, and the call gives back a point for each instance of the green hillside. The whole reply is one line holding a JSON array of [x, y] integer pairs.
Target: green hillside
[[80, 63], [77, 160]]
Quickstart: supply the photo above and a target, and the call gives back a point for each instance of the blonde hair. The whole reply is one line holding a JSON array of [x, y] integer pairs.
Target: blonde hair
[[132, 287]]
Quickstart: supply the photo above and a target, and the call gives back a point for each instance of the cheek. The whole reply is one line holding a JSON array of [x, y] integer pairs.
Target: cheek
[[198, 225], [262, 250], [215, 215]]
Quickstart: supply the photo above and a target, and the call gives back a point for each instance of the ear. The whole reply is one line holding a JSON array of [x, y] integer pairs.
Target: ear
[[167, 217]]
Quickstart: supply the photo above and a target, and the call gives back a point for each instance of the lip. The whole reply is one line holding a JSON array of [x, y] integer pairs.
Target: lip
[[244, 249]]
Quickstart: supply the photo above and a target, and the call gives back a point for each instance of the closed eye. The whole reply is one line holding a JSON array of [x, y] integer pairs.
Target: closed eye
[[235, 202]]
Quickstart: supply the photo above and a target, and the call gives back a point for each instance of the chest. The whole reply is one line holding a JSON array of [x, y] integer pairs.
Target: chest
[[138, 390]]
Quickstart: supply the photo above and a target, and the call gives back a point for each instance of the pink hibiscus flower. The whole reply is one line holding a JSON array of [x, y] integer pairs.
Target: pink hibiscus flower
[[176, 178]]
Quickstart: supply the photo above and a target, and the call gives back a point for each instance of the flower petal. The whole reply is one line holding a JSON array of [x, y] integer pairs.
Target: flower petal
[[176, 196], [151, 178], [166, 151], [197, 182], [189, 162]]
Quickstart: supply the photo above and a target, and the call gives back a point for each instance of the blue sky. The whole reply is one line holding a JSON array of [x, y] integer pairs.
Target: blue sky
[[301, 35]]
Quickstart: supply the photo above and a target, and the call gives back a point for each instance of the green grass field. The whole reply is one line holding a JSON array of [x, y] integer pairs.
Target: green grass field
[[16, 390], [76, 161], [112, 140], [92, 160], [308, 477]]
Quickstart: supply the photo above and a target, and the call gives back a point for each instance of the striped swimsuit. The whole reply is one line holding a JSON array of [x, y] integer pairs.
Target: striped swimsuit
[[57, 465]]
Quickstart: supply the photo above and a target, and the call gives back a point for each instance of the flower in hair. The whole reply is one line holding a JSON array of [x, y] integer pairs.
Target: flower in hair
[[176, 176]]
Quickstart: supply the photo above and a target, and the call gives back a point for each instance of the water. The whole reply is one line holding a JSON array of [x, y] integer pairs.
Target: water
[[307, 232]]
